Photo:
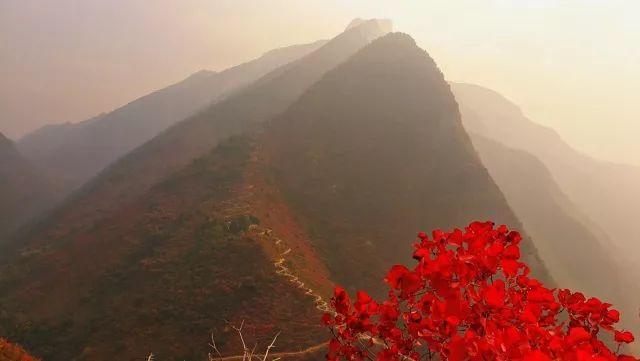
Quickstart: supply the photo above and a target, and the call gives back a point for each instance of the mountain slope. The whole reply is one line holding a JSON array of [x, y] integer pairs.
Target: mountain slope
[[576, 257], [607, 193], [70, 154], [174, 148], [374, 153], [160, 276], [23, 190], [161, 248]]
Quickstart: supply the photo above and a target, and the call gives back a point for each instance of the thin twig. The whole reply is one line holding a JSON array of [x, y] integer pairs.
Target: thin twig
[[215, 348], [270, 347], [244, 345]]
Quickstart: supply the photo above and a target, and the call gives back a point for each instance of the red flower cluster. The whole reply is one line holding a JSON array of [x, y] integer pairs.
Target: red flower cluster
[[471, 298]]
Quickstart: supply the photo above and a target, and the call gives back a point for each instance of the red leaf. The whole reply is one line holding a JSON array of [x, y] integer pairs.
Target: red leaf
[[624, 336]]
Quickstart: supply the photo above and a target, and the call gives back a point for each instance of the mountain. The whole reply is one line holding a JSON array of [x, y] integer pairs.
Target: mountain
[[161, 248], [575, 256], [607, 193], [160, 276], [575, 207], [72, 153], [24, 192], [374, 153], [175, 147]]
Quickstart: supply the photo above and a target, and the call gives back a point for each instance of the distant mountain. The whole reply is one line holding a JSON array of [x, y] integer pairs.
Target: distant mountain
[[24, 192], [72, 153], [606, 192], [375, 152], [575, 256], [579, 210], [161, 247]]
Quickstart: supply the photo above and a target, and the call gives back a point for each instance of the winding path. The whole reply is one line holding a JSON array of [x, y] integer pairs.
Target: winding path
[[275, 355], [283, 270]]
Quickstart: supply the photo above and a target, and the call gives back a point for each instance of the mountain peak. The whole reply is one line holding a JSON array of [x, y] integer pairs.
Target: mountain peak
[[201, 74], [389, 158], [370, 29], [385, 24]]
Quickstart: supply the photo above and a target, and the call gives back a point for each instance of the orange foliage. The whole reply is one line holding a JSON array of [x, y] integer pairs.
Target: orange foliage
[[11, 352]]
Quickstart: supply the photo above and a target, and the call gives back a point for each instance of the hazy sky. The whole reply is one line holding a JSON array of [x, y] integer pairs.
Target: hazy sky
[[573, 65]]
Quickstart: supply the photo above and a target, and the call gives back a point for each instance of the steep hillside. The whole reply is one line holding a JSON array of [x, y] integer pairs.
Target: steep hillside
[[375, 152], [71, 154], [607, 193], [575, 256], [162, 275], [23, 190]]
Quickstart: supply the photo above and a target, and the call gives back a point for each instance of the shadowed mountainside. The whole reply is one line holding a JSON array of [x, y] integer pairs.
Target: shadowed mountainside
[[24, 192], [72, 153], [375, 152]]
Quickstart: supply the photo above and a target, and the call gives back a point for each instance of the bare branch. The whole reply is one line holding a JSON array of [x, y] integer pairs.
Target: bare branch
[[215, 348], [272, 345], [253, 350], [244, 345]]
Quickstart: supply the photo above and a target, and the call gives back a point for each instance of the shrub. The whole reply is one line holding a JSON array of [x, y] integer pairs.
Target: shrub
[[11, 352], [471, 298]]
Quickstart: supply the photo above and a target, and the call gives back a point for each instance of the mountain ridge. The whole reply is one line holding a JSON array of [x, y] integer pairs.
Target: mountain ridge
[[326, 160], [72, 153]]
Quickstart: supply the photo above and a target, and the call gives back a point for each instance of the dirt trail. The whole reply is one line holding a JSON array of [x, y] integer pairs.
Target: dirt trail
[[279, 233], [283, 270], [241, 205]]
